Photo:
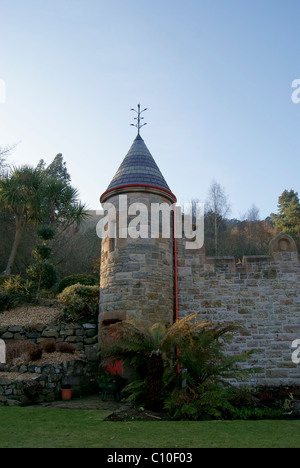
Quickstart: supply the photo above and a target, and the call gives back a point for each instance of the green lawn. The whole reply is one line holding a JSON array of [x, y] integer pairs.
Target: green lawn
[[46, 427]]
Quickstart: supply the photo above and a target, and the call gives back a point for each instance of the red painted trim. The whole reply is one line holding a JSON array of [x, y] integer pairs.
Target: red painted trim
[[139, 185], [175, 267], [176, 278]]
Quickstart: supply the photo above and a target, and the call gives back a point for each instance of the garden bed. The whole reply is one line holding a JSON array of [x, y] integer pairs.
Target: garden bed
[[27, 315], [50, 358]]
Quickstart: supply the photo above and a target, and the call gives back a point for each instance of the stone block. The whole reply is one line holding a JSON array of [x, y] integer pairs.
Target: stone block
[[7, 336], [92, 353], [52, 333], [15, 329]]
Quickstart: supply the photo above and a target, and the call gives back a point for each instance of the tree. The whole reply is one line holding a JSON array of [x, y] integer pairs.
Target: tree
[[250, 236], [256, 233], [40, 195], [20, 193], [42, 273], [152, 348], [77, 249], [287, 220], [60, 199], [2, 163], [4, 152], [204, 390], [140, 346], [58, 169], [217, 208]]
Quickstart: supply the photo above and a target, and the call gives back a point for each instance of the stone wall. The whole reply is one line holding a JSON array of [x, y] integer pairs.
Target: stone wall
[[83, 337], [31, 384], [262, 294]]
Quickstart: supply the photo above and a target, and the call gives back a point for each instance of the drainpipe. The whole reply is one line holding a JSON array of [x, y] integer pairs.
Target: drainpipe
[[175, 279], [175, 268]]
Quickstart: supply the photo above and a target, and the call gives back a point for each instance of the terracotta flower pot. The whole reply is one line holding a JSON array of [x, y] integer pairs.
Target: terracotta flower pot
[[66, 394]]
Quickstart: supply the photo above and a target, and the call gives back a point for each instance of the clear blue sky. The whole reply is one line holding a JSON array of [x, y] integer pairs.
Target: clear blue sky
[[216, 76]]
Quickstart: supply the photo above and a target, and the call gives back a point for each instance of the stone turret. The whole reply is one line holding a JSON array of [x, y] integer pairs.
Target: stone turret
[[137, 273]]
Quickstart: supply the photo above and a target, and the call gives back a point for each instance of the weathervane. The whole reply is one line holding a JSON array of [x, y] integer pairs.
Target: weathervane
[[139, 125]]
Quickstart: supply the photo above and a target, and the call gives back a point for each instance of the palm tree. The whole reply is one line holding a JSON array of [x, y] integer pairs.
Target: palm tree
[[35, 195], [20, 193], [61, 205], [153, 348]]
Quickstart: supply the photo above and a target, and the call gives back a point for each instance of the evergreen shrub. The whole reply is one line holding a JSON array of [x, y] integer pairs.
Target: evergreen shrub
[[13, 291], [6, 301], [80, 303], [42, 274], [3, 278], [87, 280]]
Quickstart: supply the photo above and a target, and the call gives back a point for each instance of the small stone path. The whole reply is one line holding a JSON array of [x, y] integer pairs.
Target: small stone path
[[91, 402]]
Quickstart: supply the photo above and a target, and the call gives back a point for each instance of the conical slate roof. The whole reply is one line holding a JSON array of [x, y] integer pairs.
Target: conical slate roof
[[138, 169]]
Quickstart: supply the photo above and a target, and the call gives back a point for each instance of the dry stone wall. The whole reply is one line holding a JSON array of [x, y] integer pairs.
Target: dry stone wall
[[262, 294], [26, 384], [31, 384], [84, 337]]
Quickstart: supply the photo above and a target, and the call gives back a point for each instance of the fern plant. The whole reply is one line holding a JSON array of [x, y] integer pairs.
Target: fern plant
[[150, 348]]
